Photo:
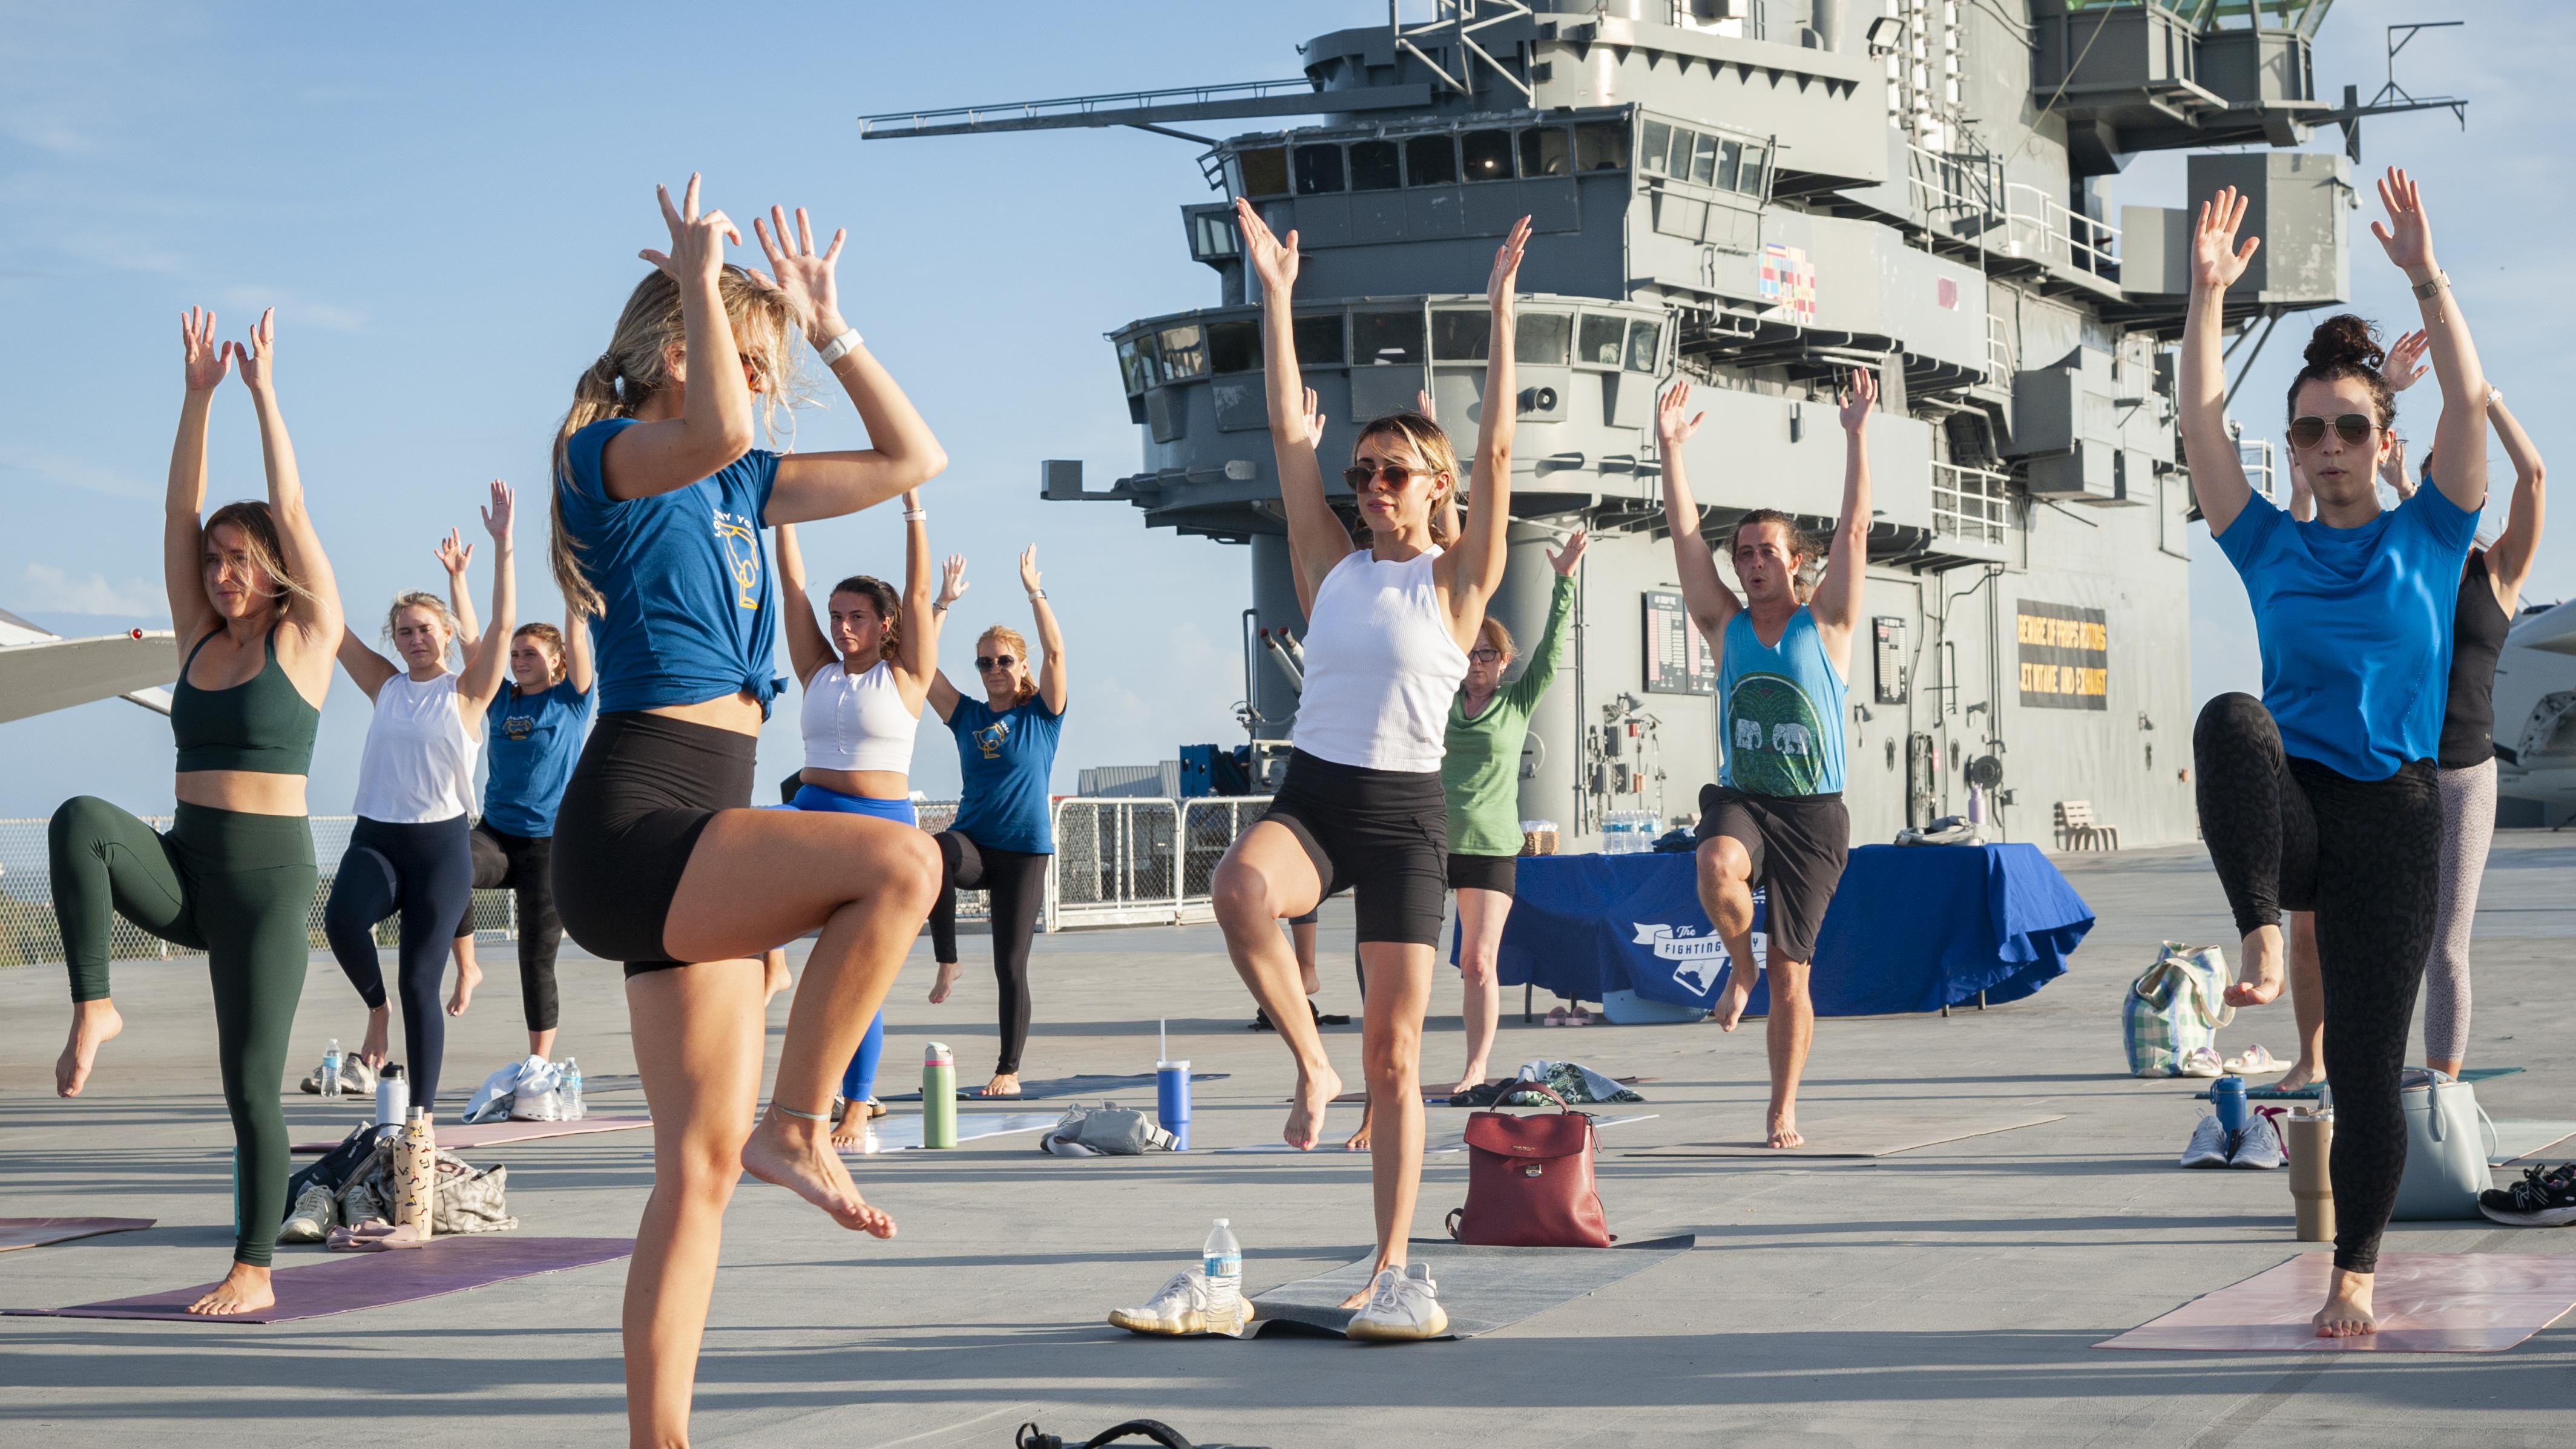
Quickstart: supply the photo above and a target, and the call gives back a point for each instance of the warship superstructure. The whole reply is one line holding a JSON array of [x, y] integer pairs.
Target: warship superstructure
[[1754, 195]]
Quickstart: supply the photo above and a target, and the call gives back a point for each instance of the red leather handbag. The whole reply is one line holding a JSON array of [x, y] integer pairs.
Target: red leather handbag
[[1529, 1181]]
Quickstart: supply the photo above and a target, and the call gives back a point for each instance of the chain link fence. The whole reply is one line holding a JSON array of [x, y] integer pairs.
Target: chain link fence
[[1136, 861]]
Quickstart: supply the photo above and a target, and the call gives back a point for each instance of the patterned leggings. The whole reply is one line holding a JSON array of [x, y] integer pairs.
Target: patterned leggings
[[2365, 855], [2468, 830]]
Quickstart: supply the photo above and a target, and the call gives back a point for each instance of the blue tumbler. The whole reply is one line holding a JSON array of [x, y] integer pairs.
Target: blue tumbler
[[1172, 1100], [2227, 1097]]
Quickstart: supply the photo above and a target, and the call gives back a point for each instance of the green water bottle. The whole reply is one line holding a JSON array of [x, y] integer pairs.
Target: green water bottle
[[938, 1097]]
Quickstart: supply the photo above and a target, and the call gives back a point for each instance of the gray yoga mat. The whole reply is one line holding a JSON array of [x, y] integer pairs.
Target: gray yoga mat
[[2529, 1141], [16, 1233], [346, 1281], [1089, 1084], [1852, 1133], [1481, 1288]]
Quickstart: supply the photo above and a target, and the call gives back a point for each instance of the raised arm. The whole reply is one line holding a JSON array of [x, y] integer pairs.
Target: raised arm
[[1316, 538], [1475, 567], [1540, 672], [367, 669], [2217, 474], [2459, 455], [917, 648], [1710, 601], [1836, 604], [902, 455], [715, 422], [578, 670], [183, 544], [2509, 561], [454, 554], [943, 696], [1051, 679], [312, 612], [487, 664], [807, 649]]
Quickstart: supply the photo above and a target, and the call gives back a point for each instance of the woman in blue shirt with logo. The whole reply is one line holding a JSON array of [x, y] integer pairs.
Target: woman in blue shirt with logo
[[659, 861], [1003, 836], [2321, 795]]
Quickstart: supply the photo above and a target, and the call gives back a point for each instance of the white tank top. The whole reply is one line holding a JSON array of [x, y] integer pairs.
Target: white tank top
[[1381, 667], [419, 762], [857, 723]]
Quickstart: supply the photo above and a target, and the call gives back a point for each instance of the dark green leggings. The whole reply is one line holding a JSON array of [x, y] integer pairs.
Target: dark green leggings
[[239, 888]]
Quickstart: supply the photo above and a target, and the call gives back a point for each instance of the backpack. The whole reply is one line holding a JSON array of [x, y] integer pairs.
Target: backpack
[[1529, 1181], [2175, 1006]]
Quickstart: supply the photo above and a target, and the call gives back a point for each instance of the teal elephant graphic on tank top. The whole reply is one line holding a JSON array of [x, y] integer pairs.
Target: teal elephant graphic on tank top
[[1774, 737]]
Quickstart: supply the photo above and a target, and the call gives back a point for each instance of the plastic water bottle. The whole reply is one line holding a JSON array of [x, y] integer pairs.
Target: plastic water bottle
[[1222, 1260], [570, 1091], [331, 1069]]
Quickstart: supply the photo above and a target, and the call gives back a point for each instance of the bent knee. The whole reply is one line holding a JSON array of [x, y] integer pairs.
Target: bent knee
[[2233, 715], [1241, 893], [914, 871], [79, 822], [1722, 861]]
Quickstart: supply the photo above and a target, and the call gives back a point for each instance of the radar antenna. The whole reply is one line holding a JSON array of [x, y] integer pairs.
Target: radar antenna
[[2393, 98]]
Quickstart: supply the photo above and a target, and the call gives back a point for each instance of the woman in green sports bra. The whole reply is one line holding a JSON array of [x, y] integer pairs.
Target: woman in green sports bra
[[257, 616]]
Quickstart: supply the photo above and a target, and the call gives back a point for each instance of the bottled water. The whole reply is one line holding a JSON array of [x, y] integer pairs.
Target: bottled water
[[570, 1091], [1223, 1261], [331, 1069]]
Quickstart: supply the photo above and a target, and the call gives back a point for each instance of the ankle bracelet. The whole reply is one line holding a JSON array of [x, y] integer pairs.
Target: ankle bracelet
[[807, 1116]]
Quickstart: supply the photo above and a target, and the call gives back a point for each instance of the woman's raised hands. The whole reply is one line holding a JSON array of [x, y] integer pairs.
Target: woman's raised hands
[[952, 581], [2406, 365], [1670, 429], [1029, 569], [496, 518], [1273, 261], [2408, 236], [697, 242], [1563, 560], [2216, 260], [207, 360], [454, 553], [1858, 397], [1314, 418], [1507, 267], [797, 272]]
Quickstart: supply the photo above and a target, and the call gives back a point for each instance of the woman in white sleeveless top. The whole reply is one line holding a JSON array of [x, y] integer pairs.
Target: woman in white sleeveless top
[[410, 850]]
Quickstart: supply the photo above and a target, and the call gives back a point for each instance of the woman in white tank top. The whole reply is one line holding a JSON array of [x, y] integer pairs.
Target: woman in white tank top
[[409, 851], [865, 682], [1361, 806]]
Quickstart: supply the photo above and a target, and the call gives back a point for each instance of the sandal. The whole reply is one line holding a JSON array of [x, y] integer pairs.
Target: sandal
[[1555, 1017], [2256, 1062], [876, 1109]]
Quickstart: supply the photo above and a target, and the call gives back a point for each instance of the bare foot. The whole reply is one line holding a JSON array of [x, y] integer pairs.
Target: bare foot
[[1004, 1084], [2258, 968], [1306, 1112], [851, 1135], [372, 1048], [1733, 997], [2347, 1312], [940, 988], [1784, 1130], [244, 1290], [775, 979], [93, 1022], [1474, 1076], [1359, 1141], [2302, 1073], [468, 976], [795, 1155]]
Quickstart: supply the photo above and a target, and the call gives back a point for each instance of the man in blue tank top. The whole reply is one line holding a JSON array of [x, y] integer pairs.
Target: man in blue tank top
[[1775, 817]]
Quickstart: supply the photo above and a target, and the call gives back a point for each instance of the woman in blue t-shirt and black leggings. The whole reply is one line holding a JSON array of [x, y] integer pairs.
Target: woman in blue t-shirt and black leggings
[[2321, 796], [1003, 836], [659, 862]]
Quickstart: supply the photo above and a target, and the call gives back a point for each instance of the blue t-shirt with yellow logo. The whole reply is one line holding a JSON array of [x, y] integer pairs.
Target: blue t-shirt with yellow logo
[[1005, 759], [532, 741], [690, 610]]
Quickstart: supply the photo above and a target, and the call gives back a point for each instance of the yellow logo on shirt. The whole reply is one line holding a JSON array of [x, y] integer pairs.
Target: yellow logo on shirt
[[741, 540], [992, 737]]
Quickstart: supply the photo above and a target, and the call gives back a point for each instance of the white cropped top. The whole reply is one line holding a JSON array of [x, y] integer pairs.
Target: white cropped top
[[1381, 667], [857, 723], [418, 766]]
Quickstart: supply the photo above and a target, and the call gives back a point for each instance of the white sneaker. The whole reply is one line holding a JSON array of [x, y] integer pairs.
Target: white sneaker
[[316, 1213], [2259, 1146], [2208, 1145], [1185, 1305], [1401, 1308]]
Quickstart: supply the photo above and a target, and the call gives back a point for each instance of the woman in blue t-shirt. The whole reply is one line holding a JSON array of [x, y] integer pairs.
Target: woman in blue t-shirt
[[2321, 795], [1003, 836], [659, 862]]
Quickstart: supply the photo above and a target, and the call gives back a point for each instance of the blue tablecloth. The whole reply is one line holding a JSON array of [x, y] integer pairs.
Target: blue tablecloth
[[1911, 928]]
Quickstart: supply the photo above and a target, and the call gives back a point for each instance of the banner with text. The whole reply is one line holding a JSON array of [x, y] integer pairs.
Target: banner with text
[[2065, 656]]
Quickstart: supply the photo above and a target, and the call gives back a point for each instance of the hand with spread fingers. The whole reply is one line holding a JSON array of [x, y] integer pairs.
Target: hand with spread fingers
[[804, 278], [207, 359], [2216, 260], [1670, 411], [454, 553], [496, 517], [697, 241], [2405, 365], [2407, 236], [255, 354], [1564, 559], [952, 581], [1858, 397]]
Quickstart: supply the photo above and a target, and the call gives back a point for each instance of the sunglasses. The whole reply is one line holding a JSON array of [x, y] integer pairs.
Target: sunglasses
[[1359, 474], [994, 661], [1485, 656], [2354, 428]]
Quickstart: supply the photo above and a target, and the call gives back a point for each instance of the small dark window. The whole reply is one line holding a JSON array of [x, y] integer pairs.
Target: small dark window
[[1677, 165], [1184, 353], [1545, 151], [1749, 180], [1703, 159], [1431, 160], [1730, 158], [1386, 337], [1213, 235], [1489, 155], [1643, 338], [1319, 339], [1461, 336], [1373, 166], [1543, 339], [1601, 146], [1650, 155], [1234, 346], [1135, 364], [1265, 171], [1604, 340], [1319, 169]]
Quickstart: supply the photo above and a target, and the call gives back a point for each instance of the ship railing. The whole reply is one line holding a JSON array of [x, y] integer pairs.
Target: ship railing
[[1973, 504], [1967, 190], [1135, 860], [2255, 455]]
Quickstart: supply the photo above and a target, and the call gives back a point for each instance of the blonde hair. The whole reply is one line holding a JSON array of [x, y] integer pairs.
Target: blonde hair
[[636, 366], [1492, 632], [1019, 646], [258, 526], [1425, 438], [418, 600], [552, 638]]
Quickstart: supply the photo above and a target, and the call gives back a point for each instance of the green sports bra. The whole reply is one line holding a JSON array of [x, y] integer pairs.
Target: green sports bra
[[262, 725]]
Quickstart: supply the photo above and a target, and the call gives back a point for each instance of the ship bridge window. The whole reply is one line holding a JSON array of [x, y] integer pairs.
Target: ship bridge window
[[1643, 340], [1184, 353], [1650, 150], [1489, 155], [1545, 151], [1543, 339], [1703, 158], [1601, 146], [1603, 340], [1234, 346], [1319, 169], [1135, 364], [1730, 160], [1386, 337], [1373, 166], [1265, 170], [1319, 340], [1431, 160], [1461, 336], [1748, 179]]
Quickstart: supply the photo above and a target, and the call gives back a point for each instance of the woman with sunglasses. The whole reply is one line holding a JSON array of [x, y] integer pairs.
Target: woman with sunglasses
[[1003, 835], [2322, 795], [1361, 806]]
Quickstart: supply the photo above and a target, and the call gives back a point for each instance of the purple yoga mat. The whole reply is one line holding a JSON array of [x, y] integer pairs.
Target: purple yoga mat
[[464, 1136], [350, 1281], [37, 1232]]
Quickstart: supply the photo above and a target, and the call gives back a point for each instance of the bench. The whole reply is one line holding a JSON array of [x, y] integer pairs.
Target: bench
[[2078, 830]]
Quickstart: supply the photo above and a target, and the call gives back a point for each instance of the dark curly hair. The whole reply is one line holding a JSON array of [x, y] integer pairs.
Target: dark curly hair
[[2346, 346], [889, 605]]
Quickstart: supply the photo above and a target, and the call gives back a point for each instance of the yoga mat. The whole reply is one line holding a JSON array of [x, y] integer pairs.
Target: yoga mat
[[1088, 1084], [1439, 1097], [2309, 1093], [344, 1282], [1445, 1142], [2527, 1141], [16, 1233], [1846, 1132], [1481, 1289], [903, 1134], [2426, 1302], [464, 1136]]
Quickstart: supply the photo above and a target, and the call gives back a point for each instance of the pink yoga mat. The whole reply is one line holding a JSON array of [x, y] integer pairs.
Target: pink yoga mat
[[18, 1233], [344, 1282], [466, 1135], [2426, 1302]]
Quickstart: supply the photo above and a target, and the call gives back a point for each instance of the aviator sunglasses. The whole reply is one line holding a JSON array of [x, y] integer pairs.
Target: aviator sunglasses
[[1358, 475], [2353, 428], [995, 661]]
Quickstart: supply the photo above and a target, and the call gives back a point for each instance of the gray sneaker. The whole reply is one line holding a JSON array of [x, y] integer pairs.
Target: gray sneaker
[[316, 1211], [2208, 1145], [2259, 1146]]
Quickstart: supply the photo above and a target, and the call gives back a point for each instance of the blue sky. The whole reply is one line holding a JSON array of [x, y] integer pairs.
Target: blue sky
[[444, 204]]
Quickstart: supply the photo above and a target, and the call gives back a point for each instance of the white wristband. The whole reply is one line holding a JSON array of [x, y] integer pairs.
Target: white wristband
[[915, 515], [1036, 594], [840, 347]]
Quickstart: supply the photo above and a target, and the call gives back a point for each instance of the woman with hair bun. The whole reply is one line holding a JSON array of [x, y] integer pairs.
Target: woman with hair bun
[[409, 851], [2322, 795], [1004, 835]]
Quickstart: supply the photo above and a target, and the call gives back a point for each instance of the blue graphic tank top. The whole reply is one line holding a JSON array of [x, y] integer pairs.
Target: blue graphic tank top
[[1782, 707]]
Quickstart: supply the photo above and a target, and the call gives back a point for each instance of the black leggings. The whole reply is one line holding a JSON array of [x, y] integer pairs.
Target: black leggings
[[524, 863], [2290, 834], [1015, 881], [427, 873]]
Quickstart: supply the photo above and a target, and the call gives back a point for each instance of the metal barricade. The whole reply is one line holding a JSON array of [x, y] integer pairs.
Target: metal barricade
[[1140, 861]]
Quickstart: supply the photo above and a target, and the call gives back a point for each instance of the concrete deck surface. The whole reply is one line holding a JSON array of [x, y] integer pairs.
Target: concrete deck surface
[[1944, 1296]]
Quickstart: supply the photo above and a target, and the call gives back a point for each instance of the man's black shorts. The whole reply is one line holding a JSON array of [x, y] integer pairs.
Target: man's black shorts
[[1797, 844]]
